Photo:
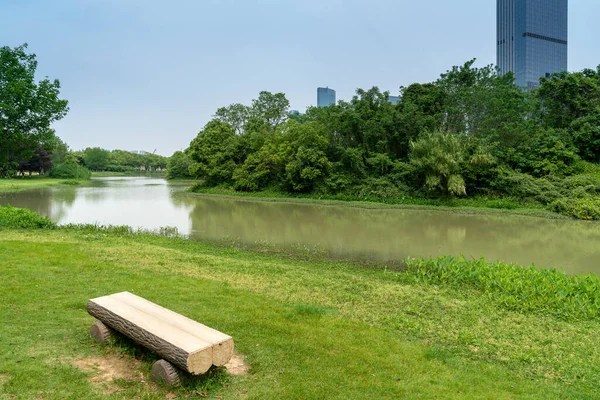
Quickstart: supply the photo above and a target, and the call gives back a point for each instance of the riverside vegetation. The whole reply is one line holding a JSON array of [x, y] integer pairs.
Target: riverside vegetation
[[471, 134], [308, 328]]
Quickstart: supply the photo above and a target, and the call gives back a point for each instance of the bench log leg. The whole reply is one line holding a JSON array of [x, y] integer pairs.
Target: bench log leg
[[101, 333], [163, 372]]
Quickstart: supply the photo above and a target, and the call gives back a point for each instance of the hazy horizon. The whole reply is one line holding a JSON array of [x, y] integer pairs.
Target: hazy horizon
[[145, 75]]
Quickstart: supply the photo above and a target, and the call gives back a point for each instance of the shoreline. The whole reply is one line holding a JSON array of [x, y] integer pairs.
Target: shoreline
[[27, 183], [268, 197]]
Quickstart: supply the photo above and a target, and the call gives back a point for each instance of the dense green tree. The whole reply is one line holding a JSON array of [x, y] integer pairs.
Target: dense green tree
[[422, 109], [268, 112], [59, 150], [215, 152], [482, 103], [179, 165], [236, 115], [308, 164], [545, 152], [568, 96], [27, 108], [586, 135], [264, 167], [96, 159], [39, 163]]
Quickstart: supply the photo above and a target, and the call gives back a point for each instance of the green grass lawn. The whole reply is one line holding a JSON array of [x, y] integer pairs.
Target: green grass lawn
[[308, 329], [33, 182]]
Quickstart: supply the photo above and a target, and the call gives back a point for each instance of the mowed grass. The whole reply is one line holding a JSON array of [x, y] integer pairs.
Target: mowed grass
[[308, 329], [33, 182]]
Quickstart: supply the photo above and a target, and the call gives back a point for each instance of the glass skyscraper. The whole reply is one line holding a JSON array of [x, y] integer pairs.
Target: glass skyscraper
[[325, 97], [532, 39], [394, 100]]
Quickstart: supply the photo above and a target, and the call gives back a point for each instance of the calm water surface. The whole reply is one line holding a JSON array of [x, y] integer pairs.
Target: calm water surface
[[381, 234]]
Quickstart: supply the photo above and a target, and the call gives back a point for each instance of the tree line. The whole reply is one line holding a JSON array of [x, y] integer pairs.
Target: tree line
[[98, 159], [472, 132]]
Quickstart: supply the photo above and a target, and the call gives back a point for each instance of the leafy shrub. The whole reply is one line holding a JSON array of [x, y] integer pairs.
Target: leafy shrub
[[70, 170], [380, 188], [583, 208], [21, 218], [524, 186], [591, 184], [441, 159], [337, 182], [517, 288], [586, 168]]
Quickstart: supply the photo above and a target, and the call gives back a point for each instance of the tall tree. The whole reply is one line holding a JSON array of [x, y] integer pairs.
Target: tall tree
[[214, 151], [27, 107], [96, 159], [482, 103], [269, 111], [568, 96], [236, 115]]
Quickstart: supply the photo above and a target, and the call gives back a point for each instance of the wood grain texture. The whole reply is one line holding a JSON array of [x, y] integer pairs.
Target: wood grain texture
[[186, 351], [222, 343], [163, 372], [101, 333]]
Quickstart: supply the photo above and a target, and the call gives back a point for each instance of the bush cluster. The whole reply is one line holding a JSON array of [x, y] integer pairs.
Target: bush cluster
[[70, 170], [21, 218]]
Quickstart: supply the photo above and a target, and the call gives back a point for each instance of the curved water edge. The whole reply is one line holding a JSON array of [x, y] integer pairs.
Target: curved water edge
[[349, 232]]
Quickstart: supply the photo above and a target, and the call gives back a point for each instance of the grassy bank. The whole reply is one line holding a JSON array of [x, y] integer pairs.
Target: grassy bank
[[466, 205], [441, 329], [34, 182]]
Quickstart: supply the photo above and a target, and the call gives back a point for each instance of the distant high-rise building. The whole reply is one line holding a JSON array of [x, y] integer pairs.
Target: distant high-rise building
[[532, 39], [325, 97], [394, 99]]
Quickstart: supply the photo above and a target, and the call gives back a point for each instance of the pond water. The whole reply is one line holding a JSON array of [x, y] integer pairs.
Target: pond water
[[344, 232]]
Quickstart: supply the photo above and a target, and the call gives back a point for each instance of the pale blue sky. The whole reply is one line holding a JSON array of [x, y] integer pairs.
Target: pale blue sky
[[148, 74]]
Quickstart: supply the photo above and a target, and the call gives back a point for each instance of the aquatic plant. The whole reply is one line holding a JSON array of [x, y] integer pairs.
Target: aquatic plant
[[545, 291]]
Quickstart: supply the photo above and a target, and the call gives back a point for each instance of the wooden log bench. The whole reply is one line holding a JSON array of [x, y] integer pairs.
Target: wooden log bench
[[182, 342]]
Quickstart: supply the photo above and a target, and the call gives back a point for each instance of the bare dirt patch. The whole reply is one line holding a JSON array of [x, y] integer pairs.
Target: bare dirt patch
[[104, 370], [4, 378], [237, 365]]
